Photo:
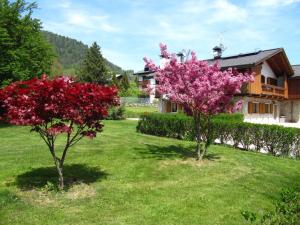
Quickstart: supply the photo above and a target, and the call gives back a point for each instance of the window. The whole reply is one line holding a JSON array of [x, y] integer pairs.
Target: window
[[255, 107], [271, 81], [174, 107], [267, 108], [263, 79]]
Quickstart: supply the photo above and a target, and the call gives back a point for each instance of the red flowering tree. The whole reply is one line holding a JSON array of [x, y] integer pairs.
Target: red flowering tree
[[202, 89], [58, 106]]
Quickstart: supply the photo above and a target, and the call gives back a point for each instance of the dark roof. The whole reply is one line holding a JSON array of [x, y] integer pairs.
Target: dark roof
[[246, 59], [296, 69], [143, 72]]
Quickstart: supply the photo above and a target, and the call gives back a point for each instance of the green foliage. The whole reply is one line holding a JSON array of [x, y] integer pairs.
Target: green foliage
[[71, 53], [287, 211], [132, 91], [24, 51], [115, 81], [56, 68], [276, 140], [166, 125], [93, 68], [117, 113], [125, 83]]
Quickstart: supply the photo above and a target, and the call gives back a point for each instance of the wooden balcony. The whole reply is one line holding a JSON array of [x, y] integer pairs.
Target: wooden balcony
[[272, 90]]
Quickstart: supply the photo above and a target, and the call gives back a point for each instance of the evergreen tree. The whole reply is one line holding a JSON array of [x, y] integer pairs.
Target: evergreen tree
[[136, 81], [56, 69], [93, 68], [24, 51], [71, 52], [125, 83], [115, 81]]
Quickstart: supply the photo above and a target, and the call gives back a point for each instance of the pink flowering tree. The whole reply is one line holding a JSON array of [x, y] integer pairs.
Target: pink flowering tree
[[203, 90], [58, 106]]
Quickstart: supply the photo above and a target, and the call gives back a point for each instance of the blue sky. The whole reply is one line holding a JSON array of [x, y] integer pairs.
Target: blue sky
[[128, 30]]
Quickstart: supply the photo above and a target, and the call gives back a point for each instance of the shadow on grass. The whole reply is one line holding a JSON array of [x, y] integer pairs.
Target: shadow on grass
[[74, 173], [4, 125], [172, 152]]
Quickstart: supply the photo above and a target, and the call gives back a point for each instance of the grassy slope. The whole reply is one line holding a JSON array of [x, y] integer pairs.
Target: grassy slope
[[136, 111], [136, 179]]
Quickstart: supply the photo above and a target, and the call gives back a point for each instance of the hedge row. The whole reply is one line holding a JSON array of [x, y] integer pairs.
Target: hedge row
[[226, 129]]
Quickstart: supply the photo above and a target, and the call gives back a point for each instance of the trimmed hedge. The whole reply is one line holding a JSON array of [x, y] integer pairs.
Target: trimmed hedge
[[226, 129]]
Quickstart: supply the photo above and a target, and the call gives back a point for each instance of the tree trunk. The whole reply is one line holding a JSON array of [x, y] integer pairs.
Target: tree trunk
[[59, 167], [61, 178], [203, 152], [198, 150], [198, 136]]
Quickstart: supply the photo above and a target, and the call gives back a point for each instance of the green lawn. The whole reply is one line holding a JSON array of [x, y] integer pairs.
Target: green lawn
[[136, 111], [123, 177]]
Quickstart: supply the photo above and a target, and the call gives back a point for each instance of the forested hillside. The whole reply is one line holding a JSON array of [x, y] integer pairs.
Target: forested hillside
[[71, 52]]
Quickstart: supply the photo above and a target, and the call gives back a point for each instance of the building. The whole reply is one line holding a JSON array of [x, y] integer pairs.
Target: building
[[274, 96]]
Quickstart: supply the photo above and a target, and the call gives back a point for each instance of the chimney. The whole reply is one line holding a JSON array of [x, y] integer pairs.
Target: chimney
[[217, 51], [180, 55]]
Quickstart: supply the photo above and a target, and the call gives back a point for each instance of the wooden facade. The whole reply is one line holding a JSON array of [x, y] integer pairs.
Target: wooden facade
[[269, 88], [294, 88]]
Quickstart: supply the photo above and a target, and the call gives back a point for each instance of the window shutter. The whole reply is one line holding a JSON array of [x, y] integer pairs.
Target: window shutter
[[261, 108], [168, 106], [250, 107], [271, 108]]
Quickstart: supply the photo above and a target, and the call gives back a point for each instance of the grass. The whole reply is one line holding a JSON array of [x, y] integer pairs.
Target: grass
[[123, 177], [136, 111]]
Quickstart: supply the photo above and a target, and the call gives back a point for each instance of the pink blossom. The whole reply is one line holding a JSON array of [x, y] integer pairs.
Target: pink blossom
[[198, 86]]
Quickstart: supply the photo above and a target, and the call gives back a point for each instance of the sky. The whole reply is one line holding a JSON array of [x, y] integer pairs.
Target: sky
[[128, 30]]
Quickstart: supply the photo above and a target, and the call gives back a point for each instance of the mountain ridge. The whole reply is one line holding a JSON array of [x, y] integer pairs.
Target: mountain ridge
[[70, 52]]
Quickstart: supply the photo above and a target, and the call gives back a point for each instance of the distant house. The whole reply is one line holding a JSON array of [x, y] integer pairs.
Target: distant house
[[274, 96]]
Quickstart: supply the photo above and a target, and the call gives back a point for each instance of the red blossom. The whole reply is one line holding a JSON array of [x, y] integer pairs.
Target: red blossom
[[59, 128], [60, 101]]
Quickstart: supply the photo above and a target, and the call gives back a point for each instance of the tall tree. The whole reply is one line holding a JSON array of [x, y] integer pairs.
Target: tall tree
[[93, 68], [125, 83], [24, 51], [115, 81], [202, 90]]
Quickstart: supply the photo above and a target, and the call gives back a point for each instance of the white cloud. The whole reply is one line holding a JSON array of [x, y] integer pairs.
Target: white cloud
[[274, 3], [224, 11], [81, 19]]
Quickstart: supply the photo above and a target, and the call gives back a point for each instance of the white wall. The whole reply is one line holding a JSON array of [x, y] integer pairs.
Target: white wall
[[260, 118], [292, 110], [267, 71]]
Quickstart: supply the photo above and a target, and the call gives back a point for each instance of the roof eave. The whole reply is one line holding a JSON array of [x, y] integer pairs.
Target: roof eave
[[291, 71]]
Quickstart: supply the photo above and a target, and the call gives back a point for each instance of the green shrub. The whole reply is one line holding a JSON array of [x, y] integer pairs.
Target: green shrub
[[276, 140], [287, 211], [116, 113]]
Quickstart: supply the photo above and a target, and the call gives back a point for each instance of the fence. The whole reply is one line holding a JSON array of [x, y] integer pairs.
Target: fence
[[136, 101]]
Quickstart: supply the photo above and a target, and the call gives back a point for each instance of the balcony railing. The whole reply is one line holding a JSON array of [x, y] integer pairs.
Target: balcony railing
[[273, 90], [294, 96]]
